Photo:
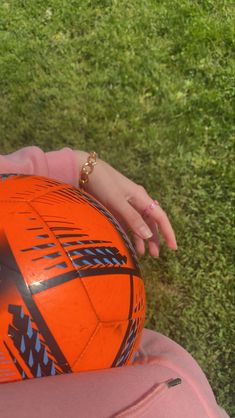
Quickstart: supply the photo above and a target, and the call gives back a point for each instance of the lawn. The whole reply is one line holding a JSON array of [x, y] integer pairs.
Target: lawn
[[148, 84]]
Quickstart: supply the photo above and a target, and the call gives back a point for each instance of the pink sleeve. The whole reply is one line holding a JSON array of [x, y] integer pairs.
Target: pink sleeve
[[60, 165]]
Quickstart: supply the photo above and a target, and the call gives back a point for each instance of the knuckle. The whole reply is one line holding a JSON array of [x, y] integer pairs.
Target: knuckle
[[140, 190]]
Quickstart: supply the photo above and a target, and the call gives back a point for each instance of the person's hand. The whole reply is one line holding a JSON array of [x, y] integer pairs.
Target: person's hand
[[127, 201]]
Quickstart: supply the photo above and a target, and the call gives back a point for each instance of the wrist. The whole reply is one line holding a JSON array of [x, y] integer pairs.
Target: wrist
[[81, 157]]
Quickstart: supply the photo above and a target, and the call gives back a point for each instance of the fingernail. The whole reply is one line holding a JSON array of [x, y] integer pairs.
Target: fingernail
[[145, 232]]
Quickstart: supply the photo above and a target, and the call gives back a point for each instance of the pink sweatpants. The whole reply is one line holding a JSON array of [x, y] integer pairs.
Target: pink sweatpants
[[143, 390]]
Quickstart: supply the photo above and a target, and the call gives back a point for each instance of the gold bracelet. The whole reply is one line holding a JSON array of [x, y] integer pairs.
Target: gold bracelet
[[87, 169]]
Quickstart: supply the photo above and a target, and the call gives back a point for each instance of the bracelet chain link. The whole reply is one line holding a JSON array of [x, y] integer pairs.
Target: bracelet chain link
[[87, 168]]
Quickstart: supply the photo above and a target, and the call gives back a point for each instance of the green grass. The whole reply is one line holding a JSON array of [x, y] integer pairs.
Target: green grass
[[148, 84]]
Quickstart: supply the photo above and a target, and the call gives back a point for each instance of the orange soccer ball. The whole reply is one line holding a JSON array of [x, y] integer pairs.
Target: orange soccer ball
[[71, 293]]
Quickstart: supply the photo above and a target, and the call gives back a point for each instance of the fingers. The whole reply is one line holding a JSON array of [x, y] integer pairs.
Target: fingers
[[153, 242], [132, 219], [141, 229], [139, 244], [126, 216], [140, 200], [164, 225]]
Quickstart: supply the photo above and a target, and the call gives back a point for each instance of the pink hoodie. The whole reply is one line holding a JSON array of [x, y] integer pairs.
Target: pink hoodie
[[164, 381]]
